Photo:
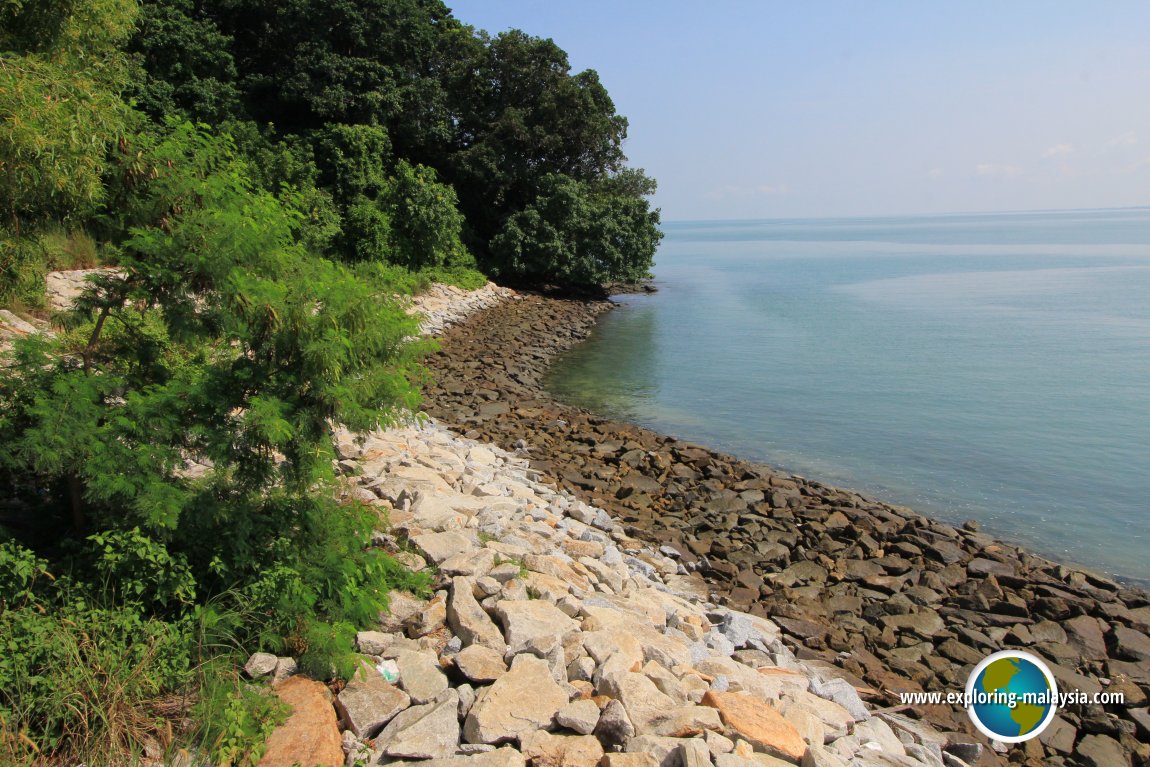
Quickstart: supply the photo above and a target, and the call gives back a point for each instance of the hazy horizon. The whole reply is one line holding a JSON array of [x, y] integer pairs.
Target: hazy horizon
[[756, 110]]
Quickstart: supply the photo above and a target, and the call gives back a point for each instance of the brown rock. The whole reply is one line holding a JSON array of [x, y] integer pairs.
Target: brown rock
[[543, 749], [1058, 736], [925, 622], [980, 566], [759, 723], [1085, 634], [1102, 751], [311, 734], [1132, 694], [629, 760], [1131, 645]]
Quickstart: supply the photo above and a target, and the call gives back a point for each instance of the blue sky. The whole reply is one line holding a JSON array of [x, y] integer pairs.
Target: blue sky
[[747, 109]]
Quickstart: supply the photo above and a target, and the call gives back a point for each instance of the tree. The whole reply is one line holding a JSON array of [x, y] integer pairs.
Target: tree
[[580, 234], [305, 63], [188, 68], [426, 222], [521, 118], [221, 341], [61, 73]]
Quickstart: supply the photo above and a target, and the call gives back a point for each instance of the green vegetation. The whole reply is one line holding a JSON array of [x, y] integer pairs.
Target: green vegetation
[[267, 178]]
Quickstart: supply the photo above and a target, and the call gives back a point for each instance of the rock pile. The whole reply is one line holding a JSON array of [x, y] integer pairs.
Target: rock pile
[[442, 306], [893, 600], [555, 638]]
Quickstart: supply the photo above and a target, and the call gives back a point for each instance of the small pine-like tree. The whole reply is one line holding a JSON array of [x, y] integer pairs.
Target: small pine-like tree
[[222, 341]]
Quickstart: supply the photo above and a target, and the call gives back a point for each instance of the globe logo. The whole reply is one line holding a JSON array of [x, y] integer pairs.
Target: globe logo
[[1011, 696]]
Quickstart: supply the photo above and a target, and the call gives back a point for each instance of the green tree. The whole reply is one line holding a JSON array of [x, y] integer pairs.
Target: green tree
[[354, 160], [187, 64], [522, 116], [61, 73], [304, 64], [426, 222], [580, 234], [222, 341]]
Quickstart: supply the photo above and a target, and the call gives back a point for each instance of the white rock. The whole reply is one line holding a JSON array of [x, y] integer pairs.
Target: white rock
[[524, 699], [526, 621], [579, 715], [260, 664], [469, 620], [420, 676], [434, 734]]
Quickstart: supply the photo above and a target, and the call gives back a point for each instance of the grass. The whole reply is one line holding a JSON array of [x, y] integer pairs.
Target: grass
[[64, 249], [25, 260]]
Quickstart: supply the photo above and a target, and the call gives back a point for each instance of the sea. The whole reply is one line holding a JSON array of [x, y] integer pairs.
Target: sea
[[993, 367]]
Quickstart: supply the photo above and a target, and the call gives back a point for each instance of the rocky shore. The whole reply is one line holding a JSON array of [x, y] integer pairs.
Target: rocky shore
[[876, 594], [609, 595], [555, 639]]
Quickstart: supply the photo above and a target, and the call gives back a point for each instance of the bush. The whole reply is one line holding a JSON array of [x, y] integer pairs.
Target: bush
[[426, 220], [80, 679], [460, 276], [580, 235]]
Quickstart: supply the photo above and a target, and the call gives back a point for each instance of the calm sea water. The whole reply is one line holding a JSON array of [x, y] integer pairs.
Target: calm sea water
[[989, 367]]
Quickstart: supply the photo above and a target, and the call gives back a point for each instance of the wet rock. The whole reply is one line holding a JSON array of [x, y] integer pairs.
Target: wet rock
[[1084, 633], [1129, 644], [1102, 751]]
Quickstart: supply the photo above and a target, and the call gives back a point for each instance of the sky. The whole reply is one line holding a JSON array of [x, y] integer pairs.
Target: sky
[[762, 109]]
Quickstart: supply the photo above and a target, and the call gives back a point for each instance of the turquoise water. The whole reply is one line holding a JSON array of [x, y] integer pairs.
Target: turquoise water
[[989, 367]]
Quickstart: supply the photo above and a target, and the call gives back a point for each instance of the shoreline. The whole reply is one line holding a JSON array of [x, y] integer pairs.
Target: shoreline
[[933, 510], [901, 601]]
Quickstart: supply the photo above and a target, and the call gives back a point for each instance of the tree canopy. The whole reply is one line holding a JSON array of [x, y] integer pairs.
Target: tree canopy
[[370, 84]]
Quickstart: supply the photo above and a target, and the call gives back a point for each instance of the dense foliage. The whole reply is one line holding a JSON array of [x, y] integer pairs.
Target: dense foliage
[[265, 177], [383, 90]]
